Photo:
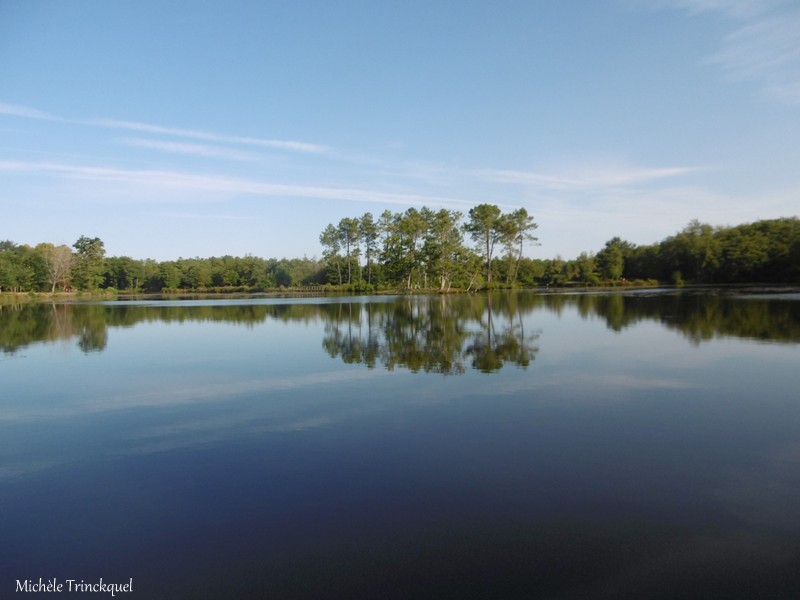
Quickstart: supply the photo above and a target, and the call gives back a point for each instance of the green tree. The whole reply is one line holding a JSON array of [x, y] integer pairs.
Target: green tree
[[195, 273], [123, 273], [150, 277], [349, 236], [694, 251], [331, 246], [644, 262], [251, 271], [169, 277], [88, 268], [611, 259], [519, 227], [370, 233], [487, 227], [554, 272], [443, 248], [11, 268], [413, 226], [392, 254], [404, 234], [587, 269]]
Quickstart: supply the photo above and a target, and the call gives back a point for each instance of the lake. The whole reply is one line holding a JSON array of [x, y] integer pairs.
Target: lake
[[521, 445]]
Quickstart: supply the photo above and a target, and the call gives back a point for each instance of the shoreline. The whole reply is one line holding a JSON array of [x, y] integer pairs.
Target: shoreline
[[737, 289]]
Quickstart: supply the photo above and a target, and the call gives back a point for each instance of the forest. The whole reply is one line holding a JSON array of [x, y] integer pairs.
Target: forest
[[423, 249]]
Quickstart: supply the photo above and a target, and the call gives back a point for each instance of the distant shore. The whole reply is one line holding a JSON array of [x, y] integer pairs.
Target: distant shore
[[104, 295]]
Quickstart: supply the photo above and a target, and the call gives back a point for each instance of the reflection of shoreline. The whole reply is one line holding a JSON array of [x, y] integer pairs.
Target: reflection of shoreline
[[23, 325], [420, 332]]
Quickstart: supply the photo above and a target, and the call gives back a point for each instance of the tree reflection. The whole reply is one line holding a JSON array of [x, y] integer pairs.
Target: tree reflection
[[701, 316], [345, 335], [435, 334], [438, 334], [432, 334], [420, 334], [490, 349]]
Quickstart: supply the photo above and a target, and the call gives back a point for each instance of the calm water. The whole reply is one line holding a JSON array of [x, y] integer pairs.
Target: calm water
[[512, 446]]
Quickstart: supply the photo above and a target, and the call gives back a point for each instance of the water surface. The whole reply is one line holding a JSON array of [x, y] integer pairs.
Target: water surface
[[504, 446]]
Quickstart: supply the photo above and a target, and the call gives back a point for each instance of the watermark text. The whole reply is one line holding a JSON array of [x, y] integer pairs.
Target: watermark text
[[55, 585]]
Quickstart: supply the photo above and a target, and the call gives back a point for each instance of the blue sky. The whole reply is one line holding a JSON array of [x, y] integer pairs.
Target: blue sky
[[199, 128]]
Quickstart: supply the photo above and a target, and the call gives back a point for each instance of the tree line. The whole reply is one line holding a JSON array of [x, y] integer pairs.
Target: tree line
[[427, 250], [766, 251], [85, 266]]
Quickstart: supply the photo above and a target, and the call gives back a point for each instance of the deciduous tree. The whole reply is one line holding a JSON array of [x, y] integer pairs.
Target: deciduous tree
[[59, 261], [87, 272]]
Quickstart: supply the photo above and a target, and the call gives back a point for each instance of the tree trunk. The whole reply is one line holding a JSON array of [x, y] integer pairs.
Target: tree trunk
[[488, 260], [519, 259]]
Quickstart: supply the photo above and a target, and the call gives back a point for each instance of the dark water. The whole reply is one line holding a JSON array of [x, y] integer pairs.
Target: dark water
[[512, 446]]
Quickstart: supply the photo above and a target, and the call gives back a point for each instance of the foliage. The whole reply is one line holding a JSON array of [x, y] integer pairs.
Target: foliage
[[518, 226], [611, 259], [424, 249], [89, 263], [766, 251], [486, 227], [22, 268]]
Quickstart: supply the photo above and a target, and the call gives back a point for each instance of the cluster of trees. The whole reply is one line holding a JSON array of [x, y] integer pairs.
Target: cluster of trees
[[226, 273], [46, 267], [766, 251], [85, 266], [424, 249]]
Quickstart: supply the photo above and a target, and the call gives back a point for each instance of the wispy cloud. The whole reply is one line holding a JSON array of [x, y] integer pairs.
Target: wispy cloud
[[26, 112], [164, 181], [203, 150], [210, 136], [195, 134], [767, 51], [595, 178], [197, 216], [764, 46], [733, 8]]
